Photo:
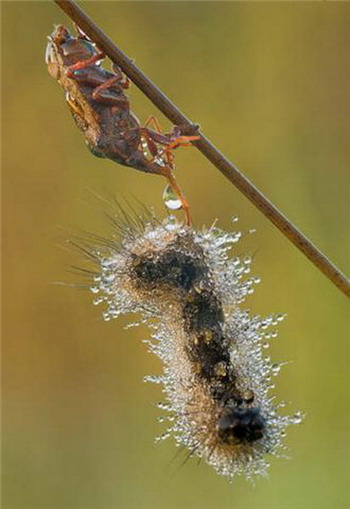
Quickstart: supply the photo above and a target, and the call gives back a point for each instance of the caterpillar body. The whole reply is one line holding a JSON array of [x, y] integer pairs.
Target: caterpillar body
[[215, 377]]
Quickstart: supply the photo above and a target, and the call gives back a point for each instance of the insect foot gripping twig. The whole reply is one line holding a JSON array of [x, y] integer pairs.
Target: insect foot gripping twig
[[224, 165], [101, 110]]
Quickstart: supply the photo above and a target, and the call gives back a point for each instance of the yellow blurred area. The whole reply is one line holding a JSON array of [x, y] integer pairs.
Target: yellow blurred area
[[269, 84]]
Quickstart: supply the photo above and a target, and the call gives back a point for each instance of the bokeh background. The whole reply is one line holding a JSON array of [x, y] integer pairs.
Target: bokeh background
[[269, 84]]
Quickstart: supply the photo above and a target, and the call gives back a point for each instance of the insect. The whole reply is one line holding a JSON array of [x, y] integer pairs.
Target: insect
[[215, 378], [101, 110]]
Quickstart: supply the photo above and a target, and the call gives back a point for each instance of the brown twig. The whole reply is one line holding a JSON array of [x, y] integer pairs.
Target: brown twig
[[231, 172]]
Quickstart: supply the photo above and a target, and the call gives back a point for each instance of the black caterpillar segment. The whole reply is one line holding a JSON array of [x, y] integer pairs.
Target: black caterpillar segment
[[171, 269]]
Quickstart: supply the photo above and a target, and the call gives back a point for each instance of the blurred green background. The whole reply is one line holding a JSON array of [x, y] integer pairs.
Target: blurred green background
[[269, 84]]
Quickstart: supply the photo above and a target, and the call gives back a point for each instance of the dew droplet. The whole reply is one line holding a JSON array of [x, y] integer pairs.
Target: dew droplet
[[170, 199], [170, 223], [276, 368], [164, 436], [106, 316], [297, 418], [248, 396]]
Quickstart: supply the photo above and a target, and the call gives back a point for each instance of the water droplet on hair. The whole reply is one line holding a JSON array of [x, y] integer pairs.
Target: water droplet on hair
[[164, 436], [106, 316], [276, 368], [297, 418], [171, 223], [170, 199]]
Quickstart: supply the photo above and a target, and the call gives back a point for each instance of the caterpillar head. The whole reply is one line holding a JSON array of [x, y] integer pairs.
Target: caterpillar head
[[241, 424]]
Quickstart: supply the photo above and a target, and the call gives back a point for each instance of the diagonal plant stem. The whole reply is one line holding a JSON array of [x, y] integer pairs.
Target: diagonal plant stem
[[231, 172]]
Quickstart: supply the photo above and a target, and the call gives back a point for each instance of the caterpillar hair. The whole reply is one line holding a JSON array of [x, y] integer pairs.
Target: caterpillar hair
[[215, 377]]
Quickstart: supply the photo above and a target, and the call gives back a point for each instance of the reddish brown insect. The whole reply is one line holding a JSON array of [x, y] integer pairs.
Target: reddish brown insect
[[101, 110]]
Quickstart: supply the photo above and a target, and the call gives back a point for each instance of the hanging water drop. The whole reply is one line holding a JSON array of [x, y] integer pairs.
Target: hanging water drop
[[170, 199]]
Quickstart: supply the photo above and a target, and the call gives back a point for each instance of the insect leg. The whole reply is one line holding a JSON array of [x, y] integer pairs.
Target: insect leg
[[168, 174], [84, 63], [97, 93], [123, 79]]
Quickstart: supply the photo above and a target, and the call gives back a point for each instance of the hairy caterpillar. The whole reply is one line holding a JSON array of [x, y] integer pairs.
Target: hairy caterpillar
[[215, 377]]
